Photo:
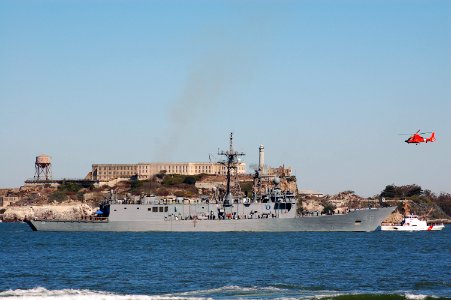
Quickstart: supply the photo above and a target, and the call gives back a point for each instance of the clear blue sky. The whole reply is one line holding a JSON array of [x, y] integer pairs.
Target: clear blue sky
[[325, 86]]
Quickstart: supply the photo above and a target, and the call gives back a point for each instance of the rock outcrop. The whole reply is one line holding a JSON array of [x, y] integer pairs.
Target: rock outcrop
[[65, 211]]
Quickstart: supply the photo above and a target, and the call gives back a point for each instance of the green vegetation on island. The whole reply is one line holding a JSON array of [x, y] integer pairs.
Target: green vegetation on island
[[421, 202]]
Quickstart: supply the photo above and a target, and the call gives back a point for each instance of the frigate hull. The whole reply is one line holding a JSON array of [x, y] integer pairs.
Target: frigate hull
[[358, 220]]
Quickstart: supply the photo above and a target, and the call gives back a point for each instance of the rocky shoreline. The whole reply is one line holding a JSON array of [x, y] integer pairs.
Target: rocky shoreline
[[64, 211]]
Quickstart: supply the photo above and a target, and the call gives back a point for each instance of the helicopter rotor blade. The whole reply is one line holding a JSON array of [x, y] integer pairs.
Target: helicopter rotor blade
[[418, 132]]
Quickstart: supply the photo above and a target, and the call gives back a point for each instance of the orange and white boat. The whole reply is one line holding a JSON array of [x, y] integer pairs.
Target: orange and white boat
[[412, 223]]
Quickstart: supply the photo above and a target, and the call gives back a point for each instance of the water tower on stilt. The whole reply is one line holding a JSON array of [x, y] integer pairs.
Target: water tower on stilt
[[43, 167]]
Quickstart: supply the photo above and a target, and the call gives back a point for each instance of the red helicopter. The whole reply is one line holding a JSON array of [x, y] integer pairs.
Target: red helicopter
[[416, 138]]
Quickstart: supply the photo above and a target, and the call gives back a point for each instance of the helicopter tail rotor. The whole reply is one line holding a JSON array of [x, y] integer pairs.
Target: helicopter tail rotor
[[431, 138]]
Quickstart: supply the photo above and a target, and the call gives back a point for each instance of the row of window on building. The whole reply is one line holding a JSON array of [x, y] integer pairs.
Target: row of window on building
[[144, 171]]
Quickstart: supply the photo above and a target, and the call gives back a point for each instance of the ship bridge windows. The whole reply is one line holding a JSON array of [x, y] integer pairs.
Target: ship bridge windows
[[282, 205], [156, 209]]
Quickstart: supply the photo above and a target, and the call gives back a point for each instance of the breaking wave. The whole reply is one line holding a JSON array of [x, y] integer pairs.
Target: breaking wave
[[41, 293], [226, 292]]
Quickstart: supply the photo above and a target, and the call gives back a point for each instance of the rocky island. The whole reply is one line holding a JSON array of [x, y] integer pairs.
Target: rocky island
[[72, 201]]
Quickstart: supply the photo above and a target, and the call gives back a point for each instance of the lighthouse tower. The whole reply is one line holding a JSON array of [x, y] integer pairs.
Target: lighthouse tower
[[261, 159]]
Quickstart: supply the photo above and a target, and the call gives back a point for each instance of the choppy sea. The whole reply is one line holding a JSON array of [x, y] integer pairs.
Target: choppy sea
[[304, 265]]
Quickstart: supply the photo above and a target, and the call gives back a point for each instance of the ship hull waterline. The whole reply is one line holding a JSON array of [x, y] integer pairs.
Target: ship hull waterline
[[358, 220]]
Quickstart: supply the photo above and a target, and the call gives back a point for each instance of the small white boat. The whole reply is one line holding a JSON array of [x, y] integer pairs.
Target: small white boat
[[412, 223]]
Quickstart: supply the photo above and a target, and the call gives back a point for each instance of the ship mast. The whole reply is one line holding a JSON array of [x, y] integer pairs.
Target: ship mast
[[230, 163]]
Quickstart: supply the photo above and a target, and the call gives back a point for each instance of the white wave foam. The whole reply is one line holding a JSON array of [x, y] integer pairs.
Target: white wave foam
[[417, 297], [411, 296], [254, 292], [233, 289], [41, 293], [407, 295]]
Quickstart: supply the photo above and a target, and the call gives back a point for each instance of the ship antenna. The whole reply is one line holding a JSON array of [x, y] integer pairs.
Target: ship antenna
[[230, 163]]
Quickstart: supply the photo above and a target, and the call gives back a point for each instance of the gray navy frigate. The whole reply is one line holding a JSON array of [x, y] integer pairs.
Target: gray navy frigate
[[273, 211]]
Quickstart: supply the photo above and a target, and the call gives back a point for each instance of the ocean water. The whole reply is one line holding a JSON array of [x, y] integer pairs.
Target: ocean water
[[376, 265]]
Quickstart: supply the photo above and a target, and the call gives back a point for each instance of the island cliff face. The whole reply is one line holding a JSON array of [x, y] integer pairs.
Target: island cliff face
[[65, 202], [64, 211]]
